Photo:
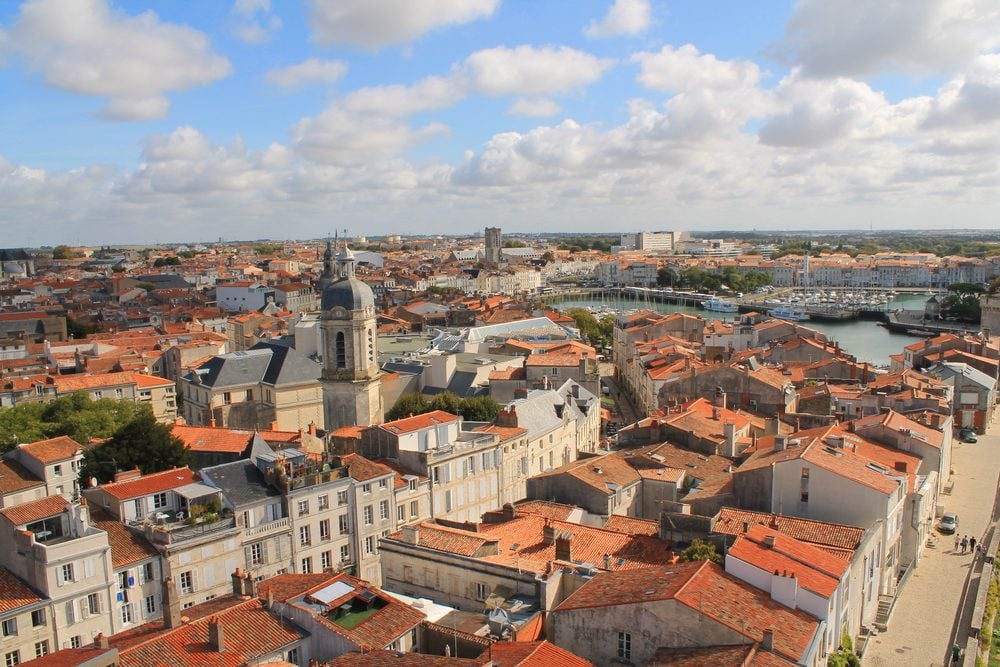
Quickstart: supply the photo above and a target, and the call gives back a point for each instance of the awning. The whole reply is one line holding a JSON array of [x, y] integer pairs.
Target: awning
[[196, 490]]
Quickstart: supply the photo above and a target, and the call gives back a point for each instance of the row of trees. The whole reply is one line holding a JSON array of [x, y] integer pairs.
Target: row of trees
[[698, 279], [75, 415], [477, 409], [597, 332]]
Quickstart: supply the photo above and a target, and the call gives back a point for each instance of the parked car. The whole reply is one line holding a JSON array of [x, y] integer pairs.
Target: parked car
[[967, 435], [948, 523]]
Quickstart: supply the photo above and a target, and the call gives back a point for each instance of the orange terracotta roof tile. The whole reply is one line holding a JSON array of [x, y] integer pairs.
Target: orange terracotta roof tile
[[213, 439], [14, 593], [771, 551], [15, 477], [152, 483], [418, 422], [36, 510], [127, 547], [632, 526], [731, 521], [52, 450], [533, 654]]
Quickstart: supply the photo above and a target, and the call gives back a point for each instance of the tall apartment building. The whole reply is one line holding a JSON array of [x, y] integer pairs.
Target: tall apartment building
[[653, 241]]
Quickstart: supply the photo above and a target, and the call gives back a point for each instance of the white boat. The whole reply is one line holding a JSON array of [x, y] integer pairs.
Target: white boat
[[720, 306], [789, 312]]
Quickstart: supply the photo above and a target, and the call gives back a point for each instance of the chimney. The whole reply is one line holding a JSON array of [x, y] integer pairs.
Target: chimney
[[746, 526], [249, 585], [125, 475], [216, 636], [274, 426], [716, 413], [312, 428], [237, 578], [100, 641], [730, 432], [171, 605], [507, 417], [900, 466], [769, 541], [720, 398], [548, 534], [607, 561], [767, 641], [779, 443], [509, 512], [211, 422], [564, 547], [411, 535], [771, 426]]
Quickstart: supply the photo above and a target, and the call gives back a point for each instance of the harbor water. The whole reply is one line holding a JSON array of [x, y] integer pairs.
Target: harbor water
[[865, 339]]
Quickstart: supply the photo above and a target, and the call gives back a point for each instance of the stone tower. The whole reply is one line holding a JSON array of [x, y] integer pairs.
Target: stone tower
[[494, 245], [350, 356]]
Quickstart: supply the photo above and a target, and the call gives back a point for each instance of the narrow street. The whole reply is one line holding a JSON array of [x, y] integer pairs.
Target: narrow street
[[920, 629]]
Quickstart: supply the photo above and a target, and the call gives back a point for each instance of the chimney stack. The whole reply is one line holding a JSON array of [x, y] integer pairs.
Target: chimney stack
[[411, 535], [607, 561], [779, 443], [509, 512], [249, 585], [767, 641], [216, 636], [729, 430], [237, 578], [100, 641], [171, 605], [548, 534], [564, 547]]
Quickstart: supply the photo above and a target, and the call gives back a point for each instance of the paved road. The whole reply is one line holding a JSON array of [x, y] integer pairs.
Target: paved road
[[921, 626]]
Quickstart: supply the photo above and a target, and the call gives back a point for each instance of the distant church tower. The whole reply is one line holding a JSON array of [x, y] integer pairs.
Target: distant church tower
[[350, 376], [328, 271], [494, 245]]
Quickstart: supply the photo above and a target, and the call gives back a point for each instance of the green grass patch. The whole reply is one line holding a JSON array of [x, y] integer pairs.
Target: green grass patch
[[354, 618]]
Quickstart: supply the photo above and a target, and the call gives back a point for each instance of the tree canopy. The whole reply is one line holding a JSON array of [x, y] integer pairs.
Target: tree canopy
[[597, 332], [142, 443], [701, 550], [478, 408], [62, 252], [75, 415]]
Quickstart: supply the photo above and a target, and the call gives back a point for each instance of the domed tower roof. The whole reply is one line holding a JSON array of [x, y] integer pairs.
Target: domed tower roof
[[347, 292]]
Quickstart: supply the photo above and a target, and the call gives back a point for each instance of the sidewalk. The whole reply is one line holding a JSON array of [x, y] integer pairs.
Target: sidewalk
[[920, 629]]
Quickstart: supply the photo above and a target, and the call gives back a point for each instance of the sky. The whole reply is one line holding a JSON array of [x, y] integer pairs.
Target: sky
[[144, 122]]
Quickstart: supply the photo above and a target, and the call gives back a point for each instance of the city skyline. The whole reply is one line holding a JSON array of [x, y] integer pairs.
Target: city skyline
[[144, 122]]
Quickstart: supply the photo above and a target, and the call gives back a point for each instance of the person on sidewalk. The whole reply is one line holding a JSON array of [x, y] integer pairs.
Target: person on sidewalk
[[972, 544], [958, 540], [965, 543]]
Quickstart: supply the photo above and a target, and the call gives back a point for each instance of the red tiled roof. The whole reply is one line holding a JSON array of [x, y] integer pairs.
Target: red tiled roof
[[533, 654], [209, 439], [249, 631], [451, 540], [152, 483], [730, 522], [69, 657], [14, 593], [363, 469], [127, 547], [632, 526], [15, 477], [52, 450], [418, 422], [815, 569], [395, 659], [36, 510]]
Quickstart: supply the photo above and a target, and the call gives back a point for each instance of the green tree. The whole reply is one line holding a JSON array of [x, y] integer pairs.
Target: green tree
[[62, 252], [548, 256], [590, 328], [479, 409], [142, 443], [446, 401], [963, 302], [701, 550], [166, 261], [510, 243], [77, 329], [666, 277], [412, 403], [75, 415]]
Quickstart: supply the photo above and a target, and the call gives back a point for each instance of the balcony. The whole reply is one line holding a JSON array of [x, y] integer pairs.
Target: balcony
[[300, 477], [173, 533], [268, 528]]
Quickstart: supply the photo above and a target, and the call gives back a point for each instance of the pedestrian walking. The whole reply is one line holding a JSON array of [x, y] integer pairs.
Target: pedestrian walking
[[965, 543], [972, 544], [958, 541]]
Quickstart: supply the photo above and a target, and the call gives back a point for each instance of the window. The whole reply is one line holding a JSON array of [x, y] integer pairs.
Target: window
[[38, 618], [383, 483], [307, 566], [340, 351], [294, 655], [401, 513], [249, 394], [150, 605], [414, 508], [369, 520], [447, 500], [257, 554], [323, 502], [345, 553], [383, 510], [66, 573], [481, 591], [12, 658], [304, 536], [343, 524], [341, 498], [413, 485], [146, 573], [9, 627], [624, 646], [324, 559], [303, 507], [57, 470], [226, 398], [187, 582], [369, 545], [127, 618], [324, 529], [805, 474], [366, 489], [94, 604], [76, 641], [159, 501]]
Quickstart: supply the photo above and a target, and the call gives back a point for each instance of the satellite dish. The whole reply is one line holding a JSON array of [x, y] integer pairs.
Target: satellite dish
[[93, 482]]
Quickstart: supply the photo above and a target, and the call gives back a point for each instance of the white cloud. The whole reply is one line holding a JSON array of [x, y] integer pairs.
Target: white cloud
[[313, 70], [373, 24], [433, 92], [684, 68], [253, 22], [624, 17], [538, 107], [85, 47], [970, 99], [860, 37], [529, 70]]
